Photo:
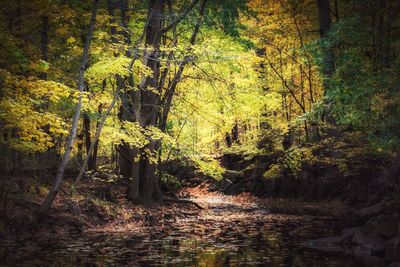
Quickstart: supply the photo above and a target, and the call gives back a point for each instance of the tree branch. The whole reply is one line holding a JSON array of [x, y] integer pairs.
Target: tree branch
[[181, 16]]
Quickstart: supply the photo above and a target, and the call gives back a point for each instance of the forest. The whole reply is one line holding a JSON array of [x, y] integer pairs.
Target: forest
[[200, 133]]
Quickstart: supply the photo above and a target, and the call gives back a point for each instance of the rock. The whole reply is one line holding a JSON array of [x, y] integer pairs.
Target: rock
[[232, 175], [393, 249], [371, 211], [387, 225], [368, 241]]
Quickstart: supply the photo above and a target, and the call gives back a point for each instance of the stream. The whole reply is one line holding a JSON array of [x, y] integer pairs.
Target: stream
[[224, 234]]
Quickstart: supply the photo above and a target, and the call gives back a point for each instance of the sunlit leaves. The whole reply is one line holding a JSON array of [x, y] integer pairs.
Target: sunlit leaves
[[107, 68], [219, 90], [29, 111]]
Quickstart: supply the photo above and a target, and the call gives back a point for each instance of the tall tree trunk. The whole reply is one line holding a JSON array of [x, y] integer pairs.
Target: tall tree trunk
[[88, 142], [235, 133], [127, 166], [96, 142], [149, 99], [124, 149], [228, 140], [328, 58], [45, 207], [324, 13], [147, 102], [44, 42]]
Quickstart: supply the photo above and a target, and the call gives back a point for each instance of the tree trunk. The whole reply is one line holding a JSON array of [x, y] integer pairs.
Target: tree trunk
[[128, 110], [149, 99], [235, 133], [125, 160], [324, 12], [228, 140], [135, 174], [88, 142], [44, 42], [328, 58], [96, 143], [124, 149], [45, 207]]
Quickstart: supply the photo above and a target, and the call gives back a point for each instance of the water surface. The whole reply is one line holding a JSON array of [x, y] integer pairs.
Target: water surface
[[224, 235]]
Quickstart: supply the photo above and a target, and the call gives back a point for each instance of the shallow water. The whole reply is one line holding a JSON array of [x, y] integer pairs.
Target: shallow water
[[224, 235]]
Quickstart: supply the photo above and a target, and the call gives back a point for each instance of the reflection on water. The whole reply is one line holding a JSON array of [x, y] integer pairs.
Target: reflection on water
[[262, 240]]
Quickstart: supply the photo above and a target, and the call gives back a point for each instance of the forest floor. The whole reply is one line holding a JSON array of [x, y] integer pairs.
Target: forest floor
[[99, 206]]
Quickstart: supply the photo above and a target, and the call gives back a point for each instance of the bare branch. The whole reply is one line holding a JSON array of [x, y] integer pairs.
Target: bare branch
[[181, 16]]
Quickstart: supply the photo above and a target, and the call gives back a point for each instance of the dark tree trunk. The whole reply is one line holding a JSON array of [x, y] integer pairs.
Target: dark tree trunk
[[125, 160], [125, 113], [44, 42], [228, 140], [324, 12], [88, 141], [328, 57], [235, 133], [146, 104], [149, 99], [80, 147]]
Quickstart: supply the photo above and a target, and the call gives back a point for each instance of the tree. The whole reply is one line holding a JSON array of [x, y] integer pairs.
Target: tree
[[327, 53], [45, 207]]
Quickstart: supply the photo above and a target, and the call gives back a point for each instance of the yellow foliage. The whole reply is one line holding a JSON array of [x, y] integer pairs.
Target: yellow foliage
[[26, 111]]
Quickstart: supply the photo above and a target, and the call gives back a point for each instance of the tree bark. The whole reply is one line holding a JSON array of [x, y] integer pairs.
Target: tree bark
[[328, 57], [149, 99], [324, 27], [88, 142], [45, 207], [235, 133], [44, 42]]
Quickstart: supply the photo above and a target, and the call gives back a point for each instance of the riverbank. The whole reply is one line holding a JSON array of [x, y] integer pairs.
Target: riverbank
[[103, 206]]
